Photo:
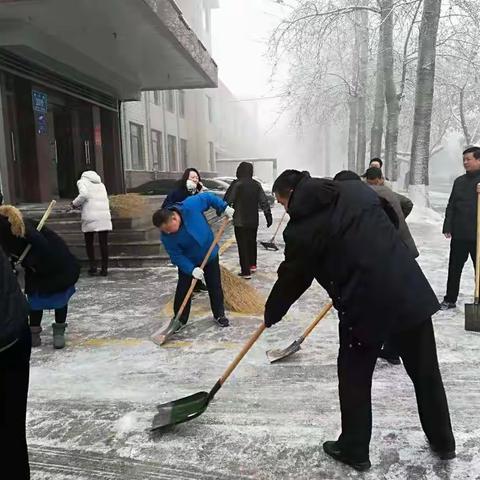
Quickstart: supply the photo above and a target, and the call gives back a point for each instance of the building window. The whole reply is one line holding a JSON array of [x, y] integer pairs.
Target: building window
[[206, 19], [181, 103], [183, 153], [211, 148], [172, 153], [136, 146], [170, 101], [210, 109], [157, 97], [157, 150]]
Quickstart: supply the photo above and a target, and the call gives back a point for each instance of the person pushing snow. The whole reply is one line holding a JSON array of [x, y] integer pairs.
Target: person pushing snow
[[187, 236]]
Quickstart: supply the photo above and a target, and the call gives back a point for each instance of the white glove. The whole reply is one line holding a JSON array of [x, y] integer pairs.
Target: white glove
[[198, 274], [229, 211], [191, 186]]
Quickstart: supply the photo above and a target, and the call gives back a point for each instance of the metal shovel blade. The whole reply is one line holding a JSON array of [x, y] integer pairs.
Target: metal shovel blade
[[472, 317], [180, 411], [277, 355], [161, 336], [269, 246]]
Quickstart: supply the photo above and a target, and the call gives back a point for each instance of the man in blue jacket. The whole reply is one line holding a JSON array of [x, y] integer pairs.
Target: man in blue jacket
[[187, 236]]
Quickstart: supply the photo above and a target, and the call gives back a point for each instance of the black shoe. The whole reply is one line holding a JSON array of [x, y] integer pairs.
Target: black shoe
[[180, 327], [332, 449], [104, 272], [223, 321], [447, 305], [444, 454], [92, 272], [392, 359], [246, 276]]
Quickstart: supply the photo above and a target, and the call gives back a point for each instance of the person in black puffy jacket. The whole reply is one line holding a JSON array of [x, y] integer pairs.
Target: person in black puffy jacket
[[460, 223], [51, 271], [246, 195], [14, 374]]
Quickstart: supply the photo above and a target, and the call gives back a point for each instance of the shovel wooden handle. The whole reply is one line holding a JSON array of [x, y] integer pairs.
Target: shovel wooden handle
[[39, 227], [242, 353], [321, 315], [217, 238], [477, 259]]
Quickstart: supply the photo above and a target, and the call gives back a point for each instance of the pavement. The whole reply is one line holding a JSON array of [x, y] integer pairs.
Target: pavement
[[91, 404]]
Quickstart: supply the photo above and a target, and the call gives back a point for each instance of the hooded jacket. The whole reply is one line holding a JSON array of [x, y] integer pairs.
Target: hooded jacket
[[461, 213], [339, 234], [188, 247], [246, 196], [50, 267], [93, 200]]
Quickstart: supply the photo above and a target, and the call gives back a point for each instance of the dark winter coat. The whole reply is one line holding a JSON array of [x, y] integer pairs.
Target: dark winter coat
[[394, 200], [246, 196], [339, 235], [461, 213], [13, 306], [176, 196], [50, 267]]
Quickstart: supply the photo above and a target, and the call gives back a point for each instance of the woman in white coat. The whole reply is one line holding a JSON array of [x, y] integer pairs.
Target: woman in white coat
[[93, 200]]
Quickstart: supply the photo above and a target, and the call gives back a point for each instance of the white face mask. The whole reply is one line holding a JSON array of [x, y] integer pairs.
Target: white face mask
[[191, 186]]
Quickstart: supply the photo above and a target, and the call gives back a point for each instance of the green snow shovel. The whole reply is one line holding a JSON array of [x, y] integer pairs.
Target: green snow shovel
[[277, 355], [162, 335], [191, 407], [271, 245], [472, 310]]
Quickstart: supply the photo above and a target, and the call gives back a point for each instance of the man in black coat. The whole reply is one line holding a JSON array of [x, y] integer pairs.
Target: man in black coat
[[246, 196], [339, 234], [460, 223], [14, 374]]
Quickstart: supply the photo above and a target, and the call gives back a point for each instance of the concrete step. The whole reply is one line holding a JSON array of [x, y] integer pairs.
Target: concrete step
[[129, 261], [116, 236], [134, 249], [75, 224]]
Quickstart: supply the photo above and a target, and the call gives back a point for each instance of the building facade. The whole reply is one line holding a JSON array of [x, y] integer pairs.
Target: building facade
[[65, 69]]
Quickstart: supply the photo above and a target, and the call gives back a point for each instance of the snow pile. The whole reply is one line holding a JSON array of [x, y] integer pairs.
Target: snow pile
[[425, 215], [127, 424]]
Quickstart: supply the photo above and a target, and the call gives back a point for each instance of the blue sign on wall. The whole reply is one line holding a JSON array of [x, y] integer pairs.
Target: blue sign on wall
[[39, 101]]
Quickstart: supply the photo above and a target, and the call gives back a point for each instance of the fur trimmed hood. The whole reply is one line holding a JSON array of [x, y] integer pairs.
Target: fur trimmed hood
[[15, 218]]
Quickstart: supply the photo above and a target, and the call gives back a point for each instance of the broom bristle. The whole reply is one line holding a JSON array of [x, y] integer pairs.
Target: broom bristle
[[239, 295], [129, 205]]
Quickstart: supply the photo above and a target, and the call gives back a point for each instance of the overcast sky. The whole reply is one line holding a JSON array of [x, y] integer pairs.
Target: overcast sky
[[240, 29]]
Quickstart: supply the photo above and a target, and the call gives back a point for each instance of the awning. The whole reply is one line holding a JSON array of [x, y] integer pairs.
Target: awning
[[117, 46]]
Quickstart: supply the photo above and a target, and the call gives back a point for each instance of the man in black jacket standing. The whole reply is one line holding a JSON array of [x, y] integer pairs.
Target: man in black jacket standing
[[460, 223], [337, 233], [14, 374], [246, 196]]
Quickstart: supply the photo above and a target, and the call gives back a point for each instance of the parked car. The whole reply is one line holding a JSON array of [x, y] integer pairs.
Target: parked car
[[266, 188]]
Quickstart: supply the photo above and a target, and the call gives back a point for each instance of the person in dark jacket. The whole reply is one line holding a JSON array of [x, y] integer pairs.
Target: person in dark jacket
[[14, 374], [189, 184], [51, 271], [339, 234], [460, 223], [187, 236], [246, 196]]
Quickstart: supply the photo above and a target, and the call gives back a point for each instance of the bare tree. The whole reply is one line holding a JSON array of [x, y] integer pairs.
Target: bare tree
[[424, 101]]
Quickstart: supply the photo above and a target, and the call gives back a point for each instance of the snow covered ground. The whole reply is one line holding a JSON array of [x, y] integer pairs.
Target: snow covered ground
[[91, 405]]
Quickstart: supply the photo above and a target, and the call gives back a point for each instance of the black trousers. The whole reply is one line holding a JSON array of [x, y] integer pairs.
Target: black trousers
[[89, 245], [247, 247], [356, 363], [14, 378], [37, 315], [214, 285], [459, 251]]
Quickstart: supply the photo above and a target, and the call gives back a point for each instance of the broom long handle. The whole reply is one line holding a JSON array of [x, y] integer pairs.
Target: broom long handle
[[39, 227], [477, 259], [217, 238], [278, 226], [320, 316]]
